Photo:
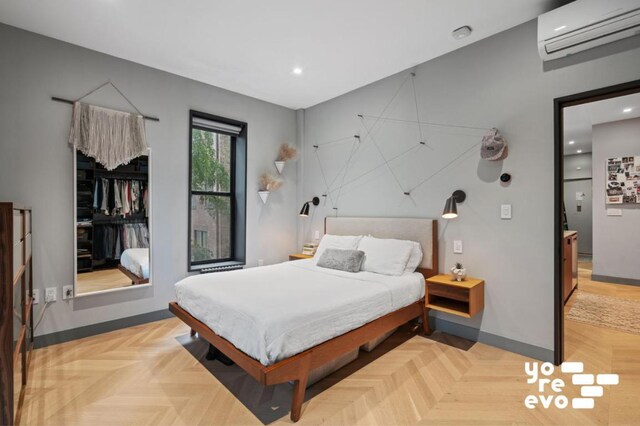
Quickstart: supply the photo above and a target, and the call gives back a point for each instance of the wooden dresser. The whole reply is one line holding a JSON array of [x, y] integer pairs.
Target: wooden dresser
[[570, 263], [16, 306]]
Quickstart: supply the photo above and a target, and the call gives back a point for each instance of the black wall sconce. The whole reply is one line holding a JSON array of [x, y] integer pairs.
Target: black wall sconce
[[305, 207], [450, 207]]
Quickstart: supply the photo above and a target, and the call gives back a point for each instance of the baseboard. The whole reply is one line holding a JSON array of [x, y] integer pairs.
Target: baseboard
[[477, 335], [103, 327], [614, 280]]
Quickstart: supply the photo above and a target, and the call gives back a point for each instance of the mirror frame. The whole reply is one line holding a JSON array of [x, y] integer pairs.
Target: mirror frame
[[75, 232]]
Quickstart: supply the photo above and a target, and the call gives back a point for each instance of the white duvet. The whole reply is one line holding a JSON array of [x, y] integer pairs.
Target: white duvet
[[137, 261], [273, 312]]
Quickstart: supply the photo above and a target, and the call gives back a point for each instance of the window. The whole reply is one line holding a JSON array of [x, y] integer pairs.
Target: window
[[217, 188], [200, 238]]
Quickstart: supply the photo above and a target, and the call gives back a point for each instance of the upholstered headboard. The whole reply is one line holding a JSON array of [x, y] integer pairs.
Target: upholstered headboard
[[424, 231]]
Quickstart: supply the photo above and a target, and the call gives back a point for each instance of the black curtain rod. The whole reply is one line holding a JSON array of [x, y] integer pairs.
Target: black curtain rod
[[70, 102]]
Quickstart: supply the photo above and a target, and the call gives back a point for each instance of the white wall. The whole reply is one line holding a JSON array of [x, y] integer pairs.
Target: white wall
[[581, 221], [497, 82], [616, 239], [36, 165]]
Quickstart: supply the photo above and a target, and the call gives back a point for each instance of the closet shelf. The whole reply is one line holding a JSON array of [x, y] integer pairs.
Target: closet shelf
[[134, 174]]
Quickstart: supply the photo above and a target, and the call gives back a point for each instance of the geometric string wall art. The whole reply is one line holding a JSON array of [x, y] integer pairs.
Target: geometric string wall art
[[397, 139]]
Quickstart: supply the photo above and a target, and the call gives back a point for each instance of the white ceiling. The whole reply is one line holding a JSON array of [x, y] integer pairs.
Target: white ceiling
[[579, 119], [251, 46]]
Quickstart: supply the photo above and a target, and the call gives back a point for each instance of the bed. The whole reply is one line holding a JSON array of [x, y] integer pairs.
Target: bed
[[134, 263], [279, 322]]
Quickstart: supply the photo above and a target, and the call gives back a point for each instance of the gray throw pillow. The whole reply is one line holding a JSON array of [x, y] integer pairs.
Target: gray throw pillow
[[342, 260]]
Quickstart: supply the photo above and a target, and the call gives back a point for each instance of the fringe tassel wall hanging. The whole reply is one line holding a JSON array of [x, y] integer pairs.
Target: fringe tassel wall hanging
[[112, 137]]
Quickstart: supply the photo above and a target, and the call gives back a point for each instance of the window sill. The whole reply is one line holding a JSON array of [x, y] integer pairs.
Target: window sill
[[217, 266]]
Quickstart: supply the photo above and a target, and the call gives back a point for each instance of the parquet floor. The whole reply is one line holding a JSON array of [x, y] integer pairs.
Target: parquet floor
[[101, 279], [142, 375]]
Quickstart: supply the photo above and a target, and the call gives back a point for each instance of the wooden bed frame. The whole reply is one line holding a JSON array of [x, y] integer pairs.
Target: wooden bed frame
[[135, 279], [297, 367]]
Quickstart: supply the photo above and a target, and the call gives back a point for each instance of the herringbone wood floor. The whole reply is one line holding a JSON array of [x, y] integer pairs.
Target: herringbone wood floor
[[142, 375]]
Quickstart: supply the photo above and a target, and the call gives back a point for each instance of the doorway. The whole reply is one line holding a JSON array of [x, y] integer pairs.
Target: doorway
[[596, 195]]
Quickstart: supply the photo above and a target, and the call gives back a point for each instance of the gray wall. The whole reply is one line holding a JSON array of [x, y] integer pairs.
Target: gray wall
[[497, 82], [36, 166], [572, 162], [581, 221], [616, 239]]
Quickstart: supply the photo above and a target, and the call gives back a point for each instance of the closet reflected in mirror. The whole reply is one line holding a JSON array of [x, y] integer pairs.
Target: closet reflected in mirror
[[112, 235]]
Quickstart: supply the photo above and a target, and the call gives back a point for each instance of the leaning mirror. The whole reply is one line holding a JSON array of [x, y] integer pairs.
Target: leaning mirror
[[112, 215]]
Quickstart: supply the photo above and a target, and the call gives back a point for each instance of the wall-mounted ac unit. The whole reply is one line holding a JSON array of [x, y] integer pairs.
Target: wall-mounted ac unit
[[585, 24]]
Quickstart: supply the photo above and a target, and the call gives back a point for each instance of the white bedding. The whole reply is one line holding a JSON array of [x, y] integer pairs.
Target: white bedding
[[274, 312], [136, 260]]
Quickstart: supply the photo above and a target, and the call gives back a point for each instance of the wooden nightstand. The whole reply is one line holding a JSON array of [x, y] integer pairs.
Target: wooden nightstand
[[463, 298], [298, 256]]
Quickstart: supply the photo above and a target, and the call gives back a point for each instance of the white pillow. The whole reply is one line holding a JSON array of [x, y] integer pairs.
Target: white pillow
[[343, 242], [385, 256], [415, 258]]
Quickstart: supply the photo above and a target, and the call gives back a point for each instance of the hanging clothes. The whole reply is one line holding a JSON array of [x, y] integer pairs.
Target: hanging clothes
[[120, 197], [104, 204], [110, 240]]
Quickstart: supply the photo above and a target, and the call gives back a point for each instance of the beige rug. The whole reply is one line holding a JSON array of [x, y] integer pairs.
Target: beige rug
[[606, 311]]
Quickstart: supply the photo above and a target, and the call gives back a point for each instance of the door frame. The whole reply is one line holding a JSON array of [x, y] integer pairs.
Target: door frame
[[559, 104]]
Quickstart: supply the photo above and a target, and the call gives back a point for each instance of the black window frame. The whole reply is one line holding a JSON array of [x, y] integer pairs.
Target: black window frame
[[236, 194]]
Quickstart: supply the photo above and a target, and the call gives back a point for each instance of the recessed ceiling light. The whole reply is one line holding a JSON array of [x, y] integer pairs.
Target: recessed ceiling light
[[578, 168], [579, 151], [627, 110], [562, 27], [572, 142], [297, 71]]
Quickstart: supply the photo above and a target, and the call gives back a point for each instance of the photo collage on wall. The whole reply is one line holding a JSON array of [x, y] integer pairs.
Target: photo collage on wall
[[623, 180]]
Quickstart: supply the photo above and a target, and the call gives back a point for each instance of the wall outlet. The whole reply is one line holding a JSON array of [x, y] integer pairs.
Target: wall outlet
[[36, 296], [50, 294], [260, 262], [457, 246], [67, 292], [505, 211]]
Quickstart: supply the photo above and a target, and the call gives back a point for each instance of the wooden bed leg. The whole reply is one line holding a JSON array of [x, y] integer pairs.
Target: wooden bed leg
[[425, 321], [299, 387], [298, 398], [192, 332]]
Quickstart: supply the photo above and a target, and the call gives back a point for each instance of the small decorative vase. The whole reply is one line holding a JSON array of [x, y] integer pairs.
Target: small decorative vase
[[279, 166], [264, 195], [459, 274]]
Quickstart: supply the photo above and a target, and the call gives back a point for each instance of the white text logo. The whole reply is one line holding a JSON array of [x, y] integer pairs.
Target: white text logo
[[550, 390]]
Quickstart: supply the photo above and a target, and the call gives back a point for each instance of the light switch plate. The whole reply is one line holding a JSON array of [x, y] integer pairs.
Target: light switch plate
[[614, 212], [457, 246], [316, 235], [505, 211]]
